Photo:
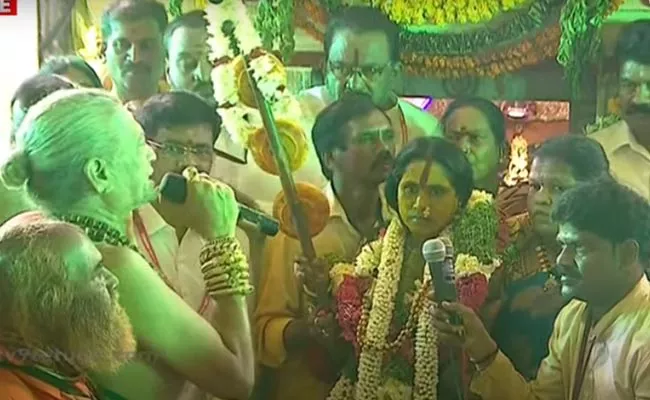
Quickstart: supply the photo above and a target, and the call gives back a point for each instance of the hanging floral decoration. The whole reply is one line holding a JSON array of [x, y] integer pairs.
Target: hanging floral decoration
[[235, 96], [581, 22], [441, 12], [524, 35], [274, 22], [366, 295]]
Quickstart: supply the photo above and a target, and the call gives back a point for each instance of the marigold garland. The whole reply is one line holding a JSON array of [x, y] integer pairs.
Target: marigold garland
[[581, 22], [441, 12], [231, 90]]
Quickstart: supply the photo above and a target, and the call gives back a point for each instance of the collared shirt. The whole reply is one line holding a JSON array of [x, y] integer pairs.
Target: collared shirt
[[263, 187], [617, 368], [180, 264], [629, 161], [178, 261], [278, 305]]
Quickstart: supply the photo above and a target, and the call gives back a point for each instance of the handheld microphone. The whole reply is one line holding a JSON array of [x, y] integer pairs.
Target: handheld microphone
[[440, 261], [173, 188]]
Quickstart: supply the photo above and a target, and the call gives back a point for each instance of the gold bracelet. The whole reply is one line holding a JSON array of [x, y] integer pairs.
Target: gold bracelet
[[225, 257], [218, 248]]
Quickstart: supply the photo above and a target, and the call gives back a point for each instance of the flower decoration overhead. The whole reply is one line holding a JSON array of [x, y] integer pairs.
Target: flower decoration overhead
[[232, 36], [462, 38], [441, 12]]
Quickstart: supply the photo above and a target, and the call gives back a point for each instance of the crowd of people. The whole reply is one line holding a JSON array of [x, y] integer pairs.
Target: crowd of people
[[109, 290]]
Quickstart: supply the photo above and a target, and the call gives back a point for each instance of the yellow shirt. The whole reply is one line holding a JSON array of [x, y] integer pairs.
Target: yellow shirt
[[278, 303], [264, 187], [618, 367], [629, 161]]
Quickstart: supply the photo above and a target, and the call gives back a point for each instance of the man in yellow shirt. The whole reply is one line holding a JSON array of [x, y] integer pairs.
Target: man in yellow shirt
[[355, 143], [600, 346]]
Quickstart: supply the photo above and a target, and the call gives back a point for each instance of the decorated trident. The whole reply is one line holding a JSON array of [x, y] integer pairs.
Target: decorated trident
[[277, 150], [255, 105]]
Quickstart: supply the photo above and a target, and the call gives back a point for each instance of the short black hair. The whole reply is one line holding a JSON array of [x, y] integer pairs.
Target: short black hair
[[447, 154], [609, 210], [35, 89], [39, 86], [585, 156], [363, 19], [492, 113], [133, 10], [176, 108], [59, 65], [193, 19], [633, 43], [329, 132]]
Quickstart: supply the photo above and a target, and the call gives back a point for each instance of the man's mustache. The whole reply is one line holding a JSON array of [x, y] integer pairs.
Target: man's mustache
[[140, 68], [383, 159]]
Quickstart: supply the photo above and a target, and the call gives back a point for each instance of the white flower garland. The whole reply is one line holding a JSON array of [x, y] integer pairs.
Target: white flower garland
[[388, 254], [238, 119], [370, 382]]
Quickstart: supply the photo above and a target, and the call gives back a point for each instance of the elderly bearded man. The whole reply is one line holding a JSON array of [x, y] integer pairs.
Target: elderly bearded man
[[60, 313], [84, 158]]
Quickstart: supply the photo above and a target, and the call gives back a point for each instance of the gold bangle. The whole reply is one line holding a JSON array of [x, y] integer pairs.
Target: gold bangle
[[224, 256]]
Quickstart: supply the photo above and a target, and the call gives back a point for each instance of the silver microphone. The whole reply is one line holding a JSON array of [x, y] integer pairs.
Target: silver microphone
[[440, 261]]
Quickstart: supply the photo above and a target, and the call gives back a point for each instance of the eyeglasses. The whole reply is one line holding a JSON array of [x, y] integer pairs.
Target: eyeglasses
[[179, 150], [343, 71]]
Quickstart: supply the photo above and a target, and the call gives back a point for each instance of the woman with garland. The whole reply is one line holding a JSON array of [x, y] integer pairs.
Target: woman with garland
[[382, 302], [83, 157], [524, 297]]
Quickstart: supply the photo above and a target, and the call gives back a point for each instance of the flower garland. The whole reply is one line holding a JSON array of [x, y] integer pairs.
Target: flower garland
[[274, 22], [232, 92], [440, 12], [581, 22], [365, 306], [525, 36]]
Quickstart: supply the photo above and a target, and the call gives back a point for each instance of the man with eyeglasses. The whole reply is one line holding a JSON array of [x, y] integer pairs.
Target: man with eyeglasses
[[182, 129], [362, 49]]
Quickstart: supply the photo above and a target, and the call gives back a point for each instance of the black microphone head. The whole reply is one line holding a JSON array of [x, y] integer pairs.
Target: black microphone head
[[173, 188], [434, 250]]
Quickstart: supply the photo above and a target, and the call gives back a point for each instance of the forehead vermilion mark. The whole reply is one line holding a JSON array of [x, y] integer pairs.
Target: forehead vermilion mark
[[424, 178], [356, 57]]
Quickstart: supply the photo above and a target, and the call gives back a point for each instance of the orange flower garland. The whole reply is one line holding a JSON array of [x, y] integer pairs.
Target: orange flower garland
[[528, 52], [315, 205], [293, 141]]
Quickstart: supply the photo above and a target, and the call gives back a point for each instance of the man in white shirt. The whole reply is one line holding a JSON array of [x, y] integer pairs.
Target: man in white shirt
[[362, 49], [182, 129], [362, 54], [627, 142]]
